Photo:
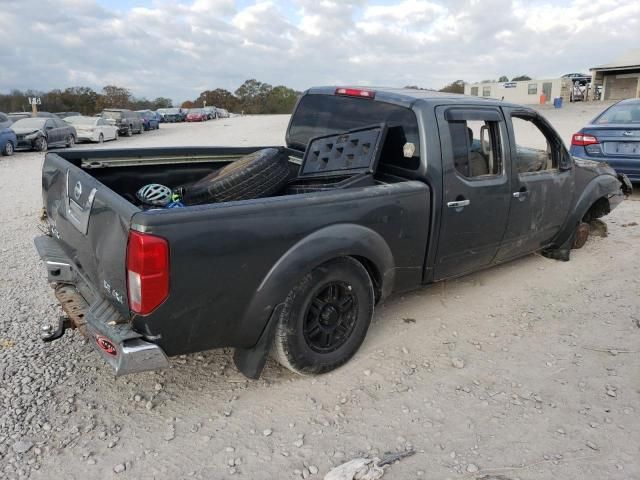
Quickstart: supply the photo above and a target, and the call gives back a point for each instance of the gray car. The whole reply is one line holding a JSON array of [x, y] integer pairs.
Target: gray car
[[41, 133]]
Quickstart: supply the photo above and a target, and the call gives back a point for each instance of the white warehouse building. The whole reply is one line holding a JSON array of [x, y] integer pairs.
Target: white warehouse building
[[523, 92]]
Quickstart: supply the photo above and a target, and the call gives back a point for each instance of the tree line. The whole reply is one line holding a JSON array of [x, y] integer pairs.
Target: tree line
[[251, 97], [79, 99]]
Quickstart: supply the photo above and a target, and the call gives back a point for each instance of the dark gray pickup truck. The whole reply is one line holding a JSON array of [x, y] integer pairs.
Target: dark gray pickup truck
[[439, 186]]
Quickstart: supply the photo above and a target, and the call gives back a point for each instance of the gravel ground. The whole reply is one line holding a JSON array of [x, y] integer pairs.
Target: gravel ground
[[528, 370]]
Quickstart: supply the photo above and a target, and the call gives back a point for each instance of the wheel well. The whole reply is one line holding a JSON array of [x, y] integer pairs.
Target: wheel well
[[374, 274], [600, 208]]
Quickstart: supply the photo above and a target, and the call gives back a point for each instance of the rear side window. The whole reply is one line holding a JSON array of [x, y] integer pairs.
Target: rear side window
[[319, 115], [477, 149]]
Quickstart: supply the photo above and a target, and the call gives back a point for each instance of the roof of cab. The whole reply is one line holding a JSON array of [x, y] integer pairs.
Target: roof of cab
[[407, 97]]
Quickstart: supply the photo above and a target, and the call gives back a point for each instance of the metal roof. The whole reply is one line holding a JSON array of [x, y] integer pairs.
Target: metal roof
[[631, 59]]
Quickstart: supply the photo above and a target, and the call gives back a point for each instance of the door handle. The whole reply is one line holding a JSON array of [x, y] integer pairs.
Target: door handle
[[521, 194], [458, 203]]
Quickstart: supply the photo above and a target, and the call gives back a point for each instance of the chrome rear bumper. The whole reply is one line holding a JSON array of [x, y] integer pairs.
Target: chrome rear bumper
[[108, 333]]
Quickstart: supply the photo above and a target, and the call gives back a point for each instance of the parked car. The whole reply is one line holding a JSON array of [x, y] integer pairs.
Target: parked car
[[64, 115], [8, 142], [170, 115], [149, 119], [382, 190], [93, 129], [613, 137], [5, 121], [211, 112], [40, 133], [196, 115], [126, 121], [222, 113]]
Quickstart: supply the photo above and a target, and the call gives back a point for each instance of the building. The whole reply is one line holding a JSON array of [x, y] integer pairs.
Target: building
[[620, 79], [523, 92]]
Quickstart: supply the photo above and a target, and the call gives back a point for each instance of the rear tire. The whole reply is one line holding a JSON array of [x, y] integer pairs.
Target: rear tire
[[101, 138], [71, 141], [325, 318], [129, 131], [8, 149], [259, 174]]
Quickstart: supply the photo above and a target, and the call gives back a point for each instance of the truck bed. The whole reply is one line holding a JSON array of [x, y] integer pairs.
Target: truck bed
[[230, 262]]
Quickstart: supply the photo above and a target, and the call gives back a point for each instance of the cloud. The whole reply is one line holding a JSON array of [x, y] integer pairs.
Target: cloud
[[178, 48]]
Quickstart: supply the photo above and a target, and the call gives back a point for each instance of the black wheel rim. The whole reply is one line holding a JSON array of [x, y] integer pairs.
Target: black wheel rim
[[331, 317]]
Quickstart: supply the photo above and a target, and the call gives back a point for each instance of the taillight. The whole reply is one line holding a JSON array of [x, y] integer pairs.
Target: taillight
[[356, 92], [147, 271], [582, 140]]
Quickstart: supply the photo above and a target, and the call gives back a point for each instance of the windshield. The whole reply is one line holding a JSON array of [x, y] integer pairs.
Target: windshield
[[112, 115], [195, 110], [146, 113], [622, 113], [80, 120], [319, 115], [29, 123]]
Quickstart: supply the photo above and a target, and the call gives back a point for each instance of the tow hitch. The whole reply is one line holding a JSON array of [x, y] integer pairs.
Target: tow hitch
[[49, 334]]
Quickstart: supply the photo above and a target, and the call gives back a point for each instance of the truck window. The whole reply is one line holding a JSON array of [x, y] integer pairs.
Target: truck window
[[319, 115], [476, 146], [533, 150]]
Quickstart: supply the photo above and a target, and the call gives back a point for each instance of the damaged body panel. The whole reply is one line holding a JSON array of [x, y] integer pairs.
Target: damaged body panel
[[423, 187]]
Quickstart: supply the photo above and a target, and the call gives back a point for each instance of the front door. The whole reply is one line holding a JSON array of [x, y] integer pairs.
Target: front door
[[546, 89], [543, 186], [476, 188]]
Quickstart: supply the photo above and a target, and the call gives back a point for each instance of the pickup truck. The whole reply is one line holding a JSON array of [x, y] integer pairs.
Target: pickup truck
[[459, 184]]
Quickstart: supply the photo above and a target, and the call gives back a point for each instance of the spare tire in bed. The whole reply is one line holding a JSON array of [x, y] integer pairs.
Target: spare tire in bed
[[259, 174]]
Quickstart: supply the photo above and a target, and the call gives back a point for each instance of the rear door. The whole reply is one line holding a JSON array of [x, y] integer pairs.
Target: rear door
[[542, 180], [476, 188]]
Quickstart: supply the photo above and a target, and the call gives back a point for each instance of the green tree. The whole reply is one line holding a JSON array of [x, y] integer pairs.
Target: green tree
[[252, 95], [219, 97], [503, 78], [520, 78], [280, 99], [114, 97], [454, 87]]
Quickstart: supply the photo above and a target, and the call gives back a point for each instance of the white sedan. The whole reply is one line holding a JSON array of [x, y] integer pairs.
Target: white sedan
[[93, 129]]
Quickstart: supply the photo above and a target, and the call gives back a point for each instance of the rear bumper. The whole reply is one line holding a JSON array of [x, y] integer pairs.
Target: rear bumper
[[94, 316]]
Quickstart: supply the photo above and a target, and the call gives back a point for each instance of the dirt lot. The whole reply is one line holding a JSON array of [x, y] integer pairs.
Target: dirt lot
[[529, 370]]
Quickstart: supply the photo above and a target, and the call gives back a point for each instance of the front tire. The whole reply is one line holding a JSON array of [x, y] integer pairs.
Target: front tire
[[40, 144], [71, 141], [101, 138], [129, 131], [8, 149], [325, 318]]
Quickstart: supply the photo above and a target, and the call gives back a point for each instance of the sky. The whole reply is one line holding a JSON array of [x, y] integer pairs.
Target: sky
[[178, 48]]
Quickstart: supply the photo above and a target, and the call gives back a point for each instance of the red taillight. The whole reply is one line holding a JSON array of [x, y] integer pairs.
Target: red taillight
[[356, 92], [147, 271], [582, 140]]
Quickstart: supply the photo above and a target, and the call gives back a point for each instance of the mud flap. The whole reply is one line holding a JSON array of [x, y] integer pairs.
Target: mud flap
[[563, 252], [251, 361]]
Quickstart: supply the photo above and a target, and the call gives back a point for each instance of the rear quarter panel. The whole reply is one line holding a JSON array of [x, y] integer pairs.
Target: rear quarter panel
[[222, 255]]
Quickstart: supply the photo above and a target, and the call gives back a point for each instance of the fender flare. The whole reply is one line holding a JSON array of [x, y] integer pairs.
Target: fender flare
[[602, 186], [330, 242]]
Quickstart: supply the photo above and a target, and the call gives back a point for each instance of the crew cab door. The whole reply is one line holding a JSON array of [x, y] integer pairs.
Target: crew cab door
[[543, 184], [476, 188]]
